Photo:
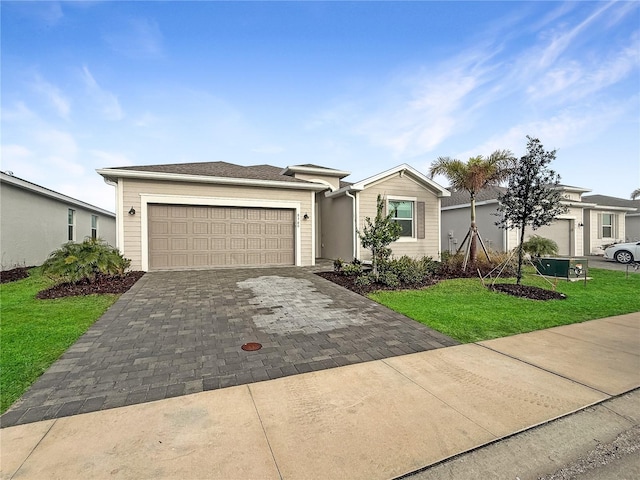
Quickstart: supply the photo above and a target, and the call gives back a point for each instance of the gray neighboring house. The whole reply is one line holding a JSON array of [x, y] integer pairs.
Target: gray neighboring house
[[34, 221], [589, 223]]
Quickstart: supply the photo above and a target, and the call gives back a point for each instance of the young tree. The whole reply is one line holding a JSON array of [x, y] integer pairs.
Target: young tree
[[473, 176], [377, 235], [532, 197]]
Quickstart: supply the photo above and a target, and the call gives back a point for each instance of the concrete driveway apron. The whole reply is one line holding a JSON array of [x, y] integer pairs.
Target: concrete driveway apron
[[177, 333]]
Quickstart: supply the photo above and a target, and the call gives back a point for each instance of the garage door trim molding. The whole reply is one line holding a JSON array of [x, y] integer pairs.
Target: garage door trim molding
[[146, 199]]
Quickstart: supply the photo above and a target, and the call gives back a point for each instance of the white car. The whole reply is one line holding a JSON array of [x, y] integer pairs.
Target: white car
[[623, 252]]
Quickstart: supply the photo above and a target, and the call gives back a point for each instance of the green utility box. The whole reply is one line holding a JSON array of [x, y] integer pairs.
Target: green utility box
[[563, 267]]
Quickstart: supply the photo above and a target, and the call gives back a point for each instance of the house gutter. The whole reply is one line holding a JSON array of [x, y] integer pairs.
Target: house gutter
[[355, 221], [113, 174]]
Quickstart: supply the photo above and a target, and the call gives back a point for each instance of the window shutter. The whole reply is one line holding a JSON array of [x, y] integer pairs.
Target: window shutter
[[599, 225], [420, 219], [614, 226]]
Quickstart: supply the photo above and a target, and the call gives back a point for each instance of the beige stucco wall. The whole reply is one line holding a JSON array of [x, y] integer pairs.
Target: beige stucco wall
[[134, 190], [336, 239], [32, 226], [401, 187]]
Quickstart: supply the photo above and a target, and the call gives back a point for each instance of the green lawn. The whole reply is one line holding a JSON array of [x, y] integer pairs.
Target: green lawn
[[34, 333], [469, 312]]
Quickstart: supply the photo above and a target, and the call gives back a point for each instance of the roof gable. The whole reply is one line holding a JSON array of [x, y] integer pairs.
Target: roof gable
[[402, 170]]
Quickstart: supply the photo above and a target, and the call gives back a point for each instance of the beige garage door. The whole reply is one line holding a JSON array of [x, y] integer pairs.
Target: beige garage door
[[560, 232], [185, 237]]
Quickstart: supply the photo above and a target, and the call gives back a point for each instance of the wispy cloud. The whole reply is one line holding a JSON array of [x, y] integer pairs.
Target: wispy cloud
[[15, 153], [108, 102], [549, 82], [62, 150], [111, 159], [52, 95], [138, 38], [18, 113]]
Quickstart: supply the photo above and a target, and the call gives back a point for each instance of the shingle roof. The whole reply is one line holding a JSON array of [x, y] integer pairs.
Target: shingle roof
[[461, 197], [219, 169], [605, 200]]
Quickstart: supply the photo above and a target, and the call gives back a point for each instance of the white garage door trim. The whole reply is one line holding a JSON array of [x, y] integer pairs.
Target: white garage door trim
[[146, 199]]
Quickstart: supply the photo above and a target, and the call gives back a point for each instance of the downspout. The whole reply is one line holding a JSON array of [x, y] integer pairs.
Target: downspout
[[110, 182], [355, 222]]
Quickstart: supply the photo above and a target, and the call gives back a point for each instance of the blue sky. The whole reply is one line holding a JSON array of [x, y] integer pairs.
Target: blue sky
[[359, 86]]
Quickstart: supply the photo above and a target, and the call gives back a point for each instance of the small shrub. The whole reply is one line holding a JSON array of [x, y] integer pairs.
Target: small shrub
[[337, 264], [538, 246], [364, 280], [352, 269], [411, 271], [389, 279], [79, 261]]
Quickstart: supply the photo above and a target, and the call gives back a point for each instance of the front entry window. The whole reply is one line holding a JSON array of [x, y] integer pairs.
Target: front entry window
[[402, 213]]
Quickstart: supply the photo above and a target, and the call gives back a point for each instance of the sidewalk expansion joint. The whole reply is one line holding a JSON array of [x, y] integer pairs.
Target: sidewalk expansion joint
[[275, 462], [546, 370], [443, 401], [33, 449]]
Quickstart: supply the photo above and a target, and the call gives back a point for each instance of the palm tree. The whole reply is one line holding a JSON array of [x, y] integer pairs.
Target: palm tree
[[473, 176], [635, 194]]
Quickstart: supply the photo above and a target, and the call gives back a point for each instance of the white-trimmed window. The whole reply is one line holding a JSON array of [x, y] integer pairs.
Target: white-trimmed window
[[71, 225], [607, 225], [94, 226], [402, 212]]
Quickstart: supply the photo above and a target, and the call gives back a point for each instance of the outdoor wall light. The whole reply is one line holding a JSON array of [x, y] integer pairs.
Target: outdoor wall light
[[581, 224], [306, 216], [132, 211]]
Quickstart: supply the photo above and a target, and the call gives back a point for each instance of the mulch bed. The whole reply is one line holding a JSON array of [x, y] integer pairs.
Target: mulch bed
[[522, 291], [103, 284], [348, 282], [527, 291], [14, 274]]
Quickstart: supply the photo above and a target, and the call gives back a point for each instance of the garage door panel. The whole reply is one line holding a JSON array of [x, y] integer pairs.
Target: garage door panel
[[159, 244], [218, 228], [200, 260], [178, 212], [159, 228], [237, 213], [254, 228], [182, 237], [200, 212], [179, 228], [254, 243], [219, 244], [200, 228], [272, 229], [179, 259], [218, 259], [201, 244], [178, 244]]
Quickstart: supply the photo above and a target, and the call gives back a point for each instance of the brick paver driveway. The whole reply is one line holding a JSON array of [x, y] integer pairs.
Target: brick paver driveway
[[176, 333]]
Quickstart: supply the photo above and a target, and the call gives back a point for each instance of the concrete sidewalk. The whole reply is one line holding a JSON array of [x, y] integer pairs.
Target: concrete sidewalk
[[379, 419]]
